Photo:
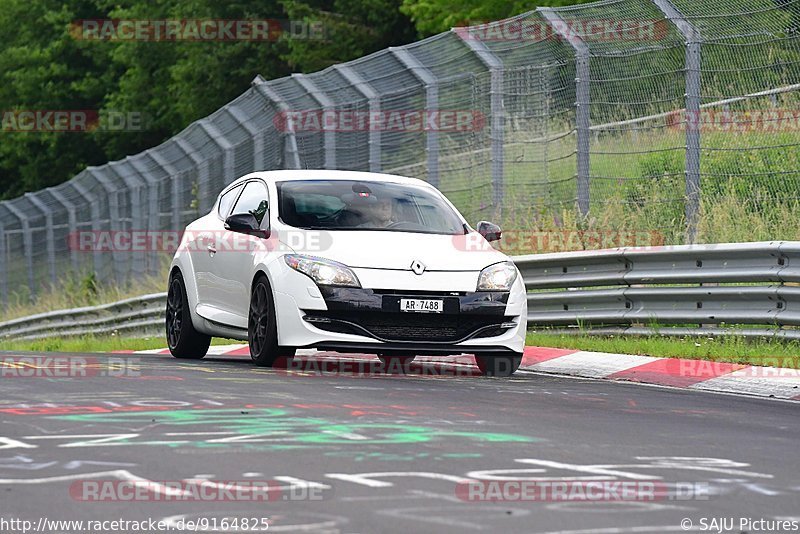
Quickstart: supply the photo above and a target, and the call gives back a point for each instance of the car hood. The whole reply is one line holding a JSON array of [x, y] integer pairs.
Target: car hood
[[398, 250]]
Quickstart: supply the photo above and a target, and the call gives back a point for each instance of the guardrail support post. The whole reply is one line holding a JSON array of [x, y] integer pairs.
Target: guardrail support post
[[427, 78], [291, 155], [692, 119], [497, 107], [329, 136], [27, 243], [582, 103], [374, 102]]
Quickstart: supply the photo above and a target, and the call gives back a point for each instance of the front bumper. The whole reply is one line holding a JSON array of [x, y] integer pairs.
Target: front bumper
[[376, 314], [369, 321]]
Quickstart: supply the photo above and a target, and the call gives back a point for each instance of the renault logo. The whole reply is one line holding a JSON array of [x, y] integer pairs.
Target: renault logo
[[418, 267]]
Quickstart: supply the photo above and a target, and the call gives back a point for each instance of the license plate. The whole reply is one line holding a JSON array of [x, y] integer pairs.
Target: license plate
[[422, 305]]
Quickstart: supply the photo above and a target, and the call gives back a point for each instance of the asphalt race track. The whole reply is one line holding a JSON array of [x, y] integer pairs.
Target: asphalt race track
[[352, 452]]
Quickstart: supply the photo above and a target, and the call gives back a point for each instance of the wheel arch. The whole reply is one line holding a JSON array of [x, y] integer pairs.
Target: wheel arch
[[190, 286], [264, 271]]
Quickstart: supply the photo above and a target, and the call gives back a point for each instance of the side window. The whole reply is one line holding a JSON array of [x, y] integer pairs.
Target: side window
[[253, 200], [226, 201]]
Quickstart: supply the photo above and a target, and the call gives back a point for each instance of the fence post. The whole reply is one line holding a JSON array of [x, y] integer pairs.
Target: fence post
[[134, 186], [227, 148], [50, 236], [94, 211], [582, 101], [73, 225], [329, 136], [175, 187], [496, 106], [27, 243], [255, 133], [291, 155], [153, 211], [427, 78], [374, 102], [202, 172], [114, 218], [692, 119], [3, 267]]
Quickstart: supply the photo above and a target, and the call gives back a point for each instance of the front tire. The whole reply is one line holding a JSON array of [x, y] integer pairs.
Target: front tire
[[500, 365], [182, 339], [262, 330]]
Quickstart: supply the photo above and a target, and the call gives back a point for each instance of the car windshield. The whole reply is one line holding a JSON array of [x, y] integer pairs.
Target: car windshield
[[365, 205]]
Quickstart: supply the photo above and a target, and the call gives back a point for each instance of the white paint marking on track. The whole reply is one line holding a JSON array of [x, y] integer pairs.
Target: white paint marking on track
[[590, 469], [366, 479], [119, 474], [300, 483], [627, 530]]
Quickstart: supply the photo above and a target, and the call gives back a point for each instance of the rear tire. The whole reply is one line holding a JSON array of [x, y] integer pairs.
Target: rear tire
[[182, 339], [500, 365], [262, 329]]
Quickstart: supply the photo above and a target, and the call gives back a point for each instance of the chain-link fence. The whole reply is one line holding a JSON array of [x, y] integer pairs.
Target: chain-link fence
[[670, 118]]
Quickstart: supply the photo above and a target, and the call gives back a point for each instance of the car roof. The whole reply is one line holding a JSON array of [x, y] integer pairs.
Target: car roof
[[326, 174]]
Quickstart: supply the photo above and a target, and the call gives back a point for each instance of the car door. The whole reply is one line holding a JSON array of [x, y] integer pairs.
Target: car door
[[232, 267], [205, 242]]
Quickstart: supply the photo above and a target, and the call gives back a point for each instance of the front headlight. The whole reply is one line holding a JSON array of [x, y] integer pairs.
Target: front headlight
[[497, 277], [323, 272]]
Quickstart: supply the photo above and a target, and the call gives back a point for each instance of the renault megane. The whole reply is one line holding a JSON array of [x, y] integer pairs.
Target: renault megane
[[344, 261]]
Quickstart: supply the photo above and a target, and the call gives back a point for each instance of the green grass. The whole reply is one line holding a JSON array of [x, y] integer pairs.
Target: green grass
[[94, 344], [76, 291], [732, 348]]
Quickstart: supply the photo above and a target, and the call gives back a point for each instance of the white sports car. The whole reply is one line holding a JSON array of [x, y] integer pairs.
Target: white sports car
[[344, 261]]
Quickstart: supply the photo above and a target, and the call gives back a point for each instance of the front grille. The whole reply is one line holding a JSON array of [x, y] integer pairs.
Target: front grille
[[398, 326]]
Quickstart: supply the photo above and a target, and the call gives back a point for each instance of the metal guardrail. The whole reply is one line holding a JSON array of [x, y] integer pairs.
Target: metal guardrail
[[140, 315], [668, 290], [678, 290]]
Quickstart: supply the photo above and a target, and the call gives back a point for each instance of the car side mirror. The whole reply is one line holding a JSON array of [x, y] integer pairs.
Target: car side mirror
[[490, 231], [245, 223]]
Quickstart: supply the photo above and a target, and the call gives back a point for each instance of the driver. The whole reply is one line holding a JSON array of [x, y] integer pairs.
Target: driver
[[377, 214]]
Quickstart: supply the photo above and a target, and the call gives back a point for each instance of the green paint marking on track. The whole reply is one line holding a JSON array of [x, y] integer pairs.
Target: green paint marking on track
[[276, 429]]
